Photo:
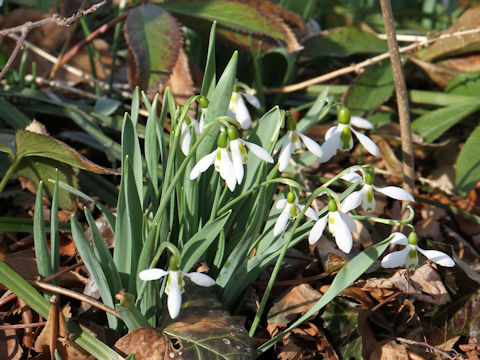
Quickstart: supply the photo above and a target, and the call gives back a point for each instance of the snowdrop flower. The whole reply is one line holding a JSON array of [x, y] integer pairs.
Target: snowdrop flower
[[340, 137], [409, 255], [367, 199], [239, 154], [291, 145], [238, 109], [175, 284], [191, 123], [220, 158], [291, 209], [340, 224]]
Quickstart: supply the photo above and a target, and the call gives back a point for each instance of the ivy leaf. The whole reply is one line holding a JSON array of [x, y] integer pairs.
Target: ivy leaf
[[206, 330], [154, 40], [237, 20]]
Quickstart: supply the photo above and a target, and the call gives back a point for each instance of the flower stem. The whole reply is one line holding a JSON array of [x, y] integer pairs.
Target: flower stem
[[9, 172]]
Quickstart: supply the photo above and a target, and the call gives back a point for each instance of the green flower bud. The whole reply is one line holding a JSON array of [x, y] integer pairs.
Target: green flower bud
[[369, 177], [232, 132], [344, 116], [222, 140], [291, 197], [332, 205], [203, 101], [291, 124], [413, 238]]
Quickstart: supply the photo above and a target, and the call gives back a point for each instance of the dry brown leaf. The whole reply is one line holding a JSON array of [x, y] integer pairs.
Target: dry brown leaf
[[10, 347], [147, 344], [298, 300], [67, 349], [463, 64], [23, 263], [180, 81], [394, 166], [438, 74], [424, 284], [429, 225]]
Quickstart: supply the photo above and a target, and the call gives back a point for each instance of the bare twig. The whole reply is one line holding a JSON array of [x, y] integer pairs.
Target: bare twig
[[22, 326], [75, 295], [424, 344], [14, 54], [55, 311], [402, 98], [55, 18], [358, 67]]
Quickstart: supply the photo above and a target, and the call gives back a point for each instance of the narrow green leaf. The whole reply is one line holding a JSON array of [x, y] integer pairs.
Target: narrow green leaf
[[129, 313], [467, 83], [40, 237], [435, 123], [154, 40], [106, 106], [468, 163], [12, 116], [209, 77], [135, 106], [131, 148], [26, 225], [94, 268], [196, 246], [152, 153], [54, 237]]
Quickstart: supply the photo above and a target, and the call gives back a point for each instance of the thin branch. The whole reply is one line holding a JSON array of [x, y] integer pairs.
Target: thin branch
[[75, 295], [424, 344], [23, 326], [358, 67], [402, 98], [55, 18], [13, 55]]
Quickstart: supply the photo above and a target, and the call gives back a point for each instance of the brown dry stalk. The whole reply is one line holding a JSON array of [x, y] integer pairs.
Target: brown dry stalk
[[402, 98], [55, 310]]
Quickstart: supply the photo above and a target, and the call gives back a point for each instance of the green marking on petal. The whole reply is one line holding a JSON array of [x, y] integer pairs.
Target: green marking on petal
[[412, 254], [370, 195], [293, 212], [345, 137], [331, 220]]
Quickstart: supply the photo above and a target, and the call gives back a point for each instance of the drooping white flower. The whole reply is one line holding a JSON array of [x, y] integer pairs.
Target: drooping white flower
[[239, 154], [367, 198], [340, 224], [192, 124], [220, 157], [238, 109], [175, 285], [408, 256], [340, 137], [291, 145], [291, 209]]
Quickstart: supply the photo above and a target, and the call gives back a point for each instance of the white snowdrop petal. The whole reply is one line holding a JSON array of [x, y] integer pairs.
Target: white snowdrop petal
[[317, 230], [282, 220], [395, 193], [342, 234], [200, 279], [285, 154], [203, 164], [396, 258], [352, 201], [226, 169], [185, 138], [361, 123], [311, 145], [310, 213], [152, 274], [253, 100], [350, 177], [369, 202], [174, 300], [330, 132], [399, 239], [367, 143], [259, 151], [329, 147], [438, 257], [349, 221], [241, 113], [237, 160], [280, 204]]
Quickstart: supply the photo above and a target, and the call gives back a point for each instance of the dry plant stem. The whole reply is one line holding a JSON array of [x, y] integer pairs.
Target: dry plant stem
[[27, 318], [7, 299], [56, 18], [23, 326], [67, 43], [54, 301], [101, 30], [402, 98], [358, 67], [75, 295], [433, 348], [14, 54]]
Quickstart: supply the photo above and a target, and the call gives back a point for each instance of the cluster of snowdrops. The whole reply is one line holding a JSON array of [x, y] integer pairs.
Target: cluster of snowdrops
[[230, 156]]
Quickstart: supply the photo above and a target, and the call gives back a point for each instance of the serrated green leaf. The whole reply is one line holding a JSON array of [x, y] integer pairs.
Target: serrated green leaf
[[206, 330], [154, 40], [371, 89], [433, 124], [464, 84], [342, 42], [468, 163]]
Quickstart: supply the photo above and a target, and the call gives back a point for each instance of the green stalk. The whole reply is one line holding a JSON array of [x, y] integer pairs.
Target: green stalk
[[116, 39], [10, 171]]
